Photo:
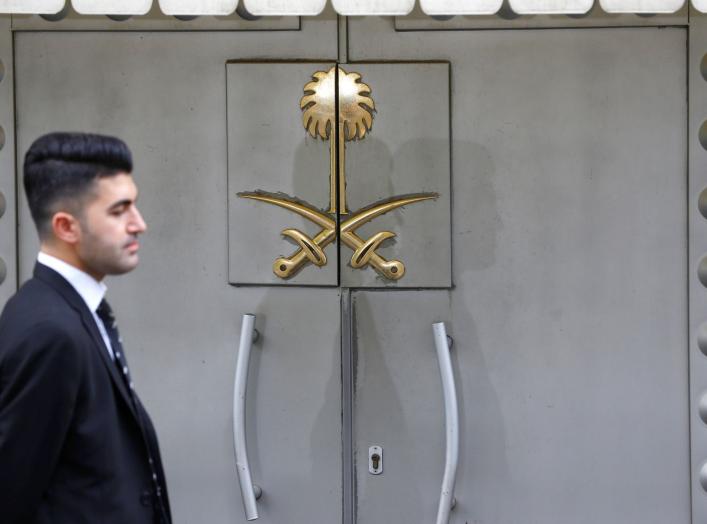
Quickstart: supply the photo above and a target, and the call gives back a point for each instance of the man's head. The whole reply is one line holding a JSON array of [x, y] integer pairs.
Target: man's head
[[82, 199]]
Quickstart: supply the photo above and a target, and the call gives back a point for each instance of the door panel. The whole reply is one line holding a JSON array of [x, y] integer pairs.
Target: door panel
[[294, 407], [570, 298], [399, 404], [165, 94]]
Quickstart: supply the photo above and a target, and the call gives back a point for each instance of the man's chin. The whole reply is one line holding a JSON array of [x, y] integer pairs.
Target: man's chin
[[125, 266], [132, 264]]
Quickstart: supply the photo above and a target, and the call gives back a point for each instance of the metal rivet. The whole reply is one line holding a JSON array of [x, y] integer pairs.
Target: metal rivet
[[3, 204], [702, 338], [3, 271], [2, 137], [702, 203], [2, 70], [185, 18], [703, 476], [702, 407], [703, 134], [702, 271], [119, 18], [703, 66]]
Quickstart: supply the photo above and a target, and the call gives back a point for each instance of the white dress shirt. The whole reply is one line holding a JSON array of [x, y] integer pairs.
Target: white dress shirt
[[90, 290]]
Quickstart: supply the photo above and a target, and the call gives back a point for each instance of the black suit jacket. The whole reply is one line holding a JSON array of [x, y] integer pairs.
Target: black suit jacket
[[74, 448]]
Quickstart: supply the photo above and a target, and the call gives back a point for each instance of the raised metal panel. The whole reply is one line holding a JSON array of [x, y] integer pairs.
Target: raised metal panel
[[507, 19], [155, 20], [164, 93], [270, 151], [697, 213], [406, 152], [570, 256], [8, 236]]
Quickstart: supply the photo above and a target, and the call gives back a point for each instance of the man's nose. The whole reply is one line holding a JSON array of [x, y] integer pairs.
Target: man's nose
[[137, 224]]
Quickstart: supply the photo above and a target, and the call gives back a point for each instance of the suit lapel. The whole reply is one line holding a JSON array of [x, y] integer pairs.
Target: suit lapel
[[67, 291]]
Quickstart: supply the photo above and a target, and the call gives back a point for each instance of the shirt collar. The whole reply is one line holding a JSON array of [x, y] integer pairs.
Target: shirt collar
[[90, 290]]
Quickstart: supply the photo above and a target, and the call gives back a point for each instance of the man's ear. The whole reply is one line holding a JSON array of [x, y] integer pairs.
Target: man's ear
[[66, 227]]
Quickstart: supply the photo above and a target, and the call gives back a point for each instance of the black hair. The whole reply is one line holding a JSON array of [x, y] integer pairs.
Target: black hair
[[61, 168]]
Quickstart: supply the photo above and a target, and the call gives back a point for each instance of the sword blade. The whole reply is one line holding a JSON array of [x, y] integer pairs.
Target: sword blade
[[310, 213]]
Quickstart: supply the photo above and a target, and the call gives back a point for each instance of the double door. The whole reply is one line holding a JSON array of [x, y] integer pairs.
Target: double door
[[564, 288]]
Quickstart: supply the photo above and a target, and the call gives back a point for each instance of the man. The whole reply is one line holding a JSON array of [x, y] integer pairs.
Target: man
[[76, 445]]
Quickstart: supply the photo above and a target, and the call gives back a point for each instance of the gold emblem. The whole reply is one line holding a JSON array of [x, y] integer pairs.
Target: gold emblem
[[355, 119]]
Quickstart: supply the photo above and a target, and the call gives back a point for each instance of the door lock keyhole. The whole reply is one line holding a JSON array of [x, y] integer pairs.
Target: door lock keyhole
[[375, 460]]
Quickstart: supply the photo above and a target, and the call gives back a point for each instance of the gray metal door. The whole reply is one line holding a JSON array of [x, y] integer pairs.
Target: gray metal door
[[165, 95], [569, 298], [569, 306]]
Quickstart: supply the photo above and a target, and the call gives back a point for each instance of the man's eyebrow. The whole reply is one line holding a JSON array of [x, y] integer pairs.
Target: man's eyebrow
[[120, 203]]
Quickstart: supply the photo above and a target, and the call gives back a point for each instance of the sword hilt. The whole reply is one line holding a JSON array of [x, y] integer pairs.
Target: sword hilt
[[391, 269], [287, 267]]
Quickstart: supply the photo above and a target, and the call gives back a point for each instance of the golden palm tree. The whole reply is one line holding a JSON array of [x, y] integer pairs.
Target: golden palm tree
[[356, 108]]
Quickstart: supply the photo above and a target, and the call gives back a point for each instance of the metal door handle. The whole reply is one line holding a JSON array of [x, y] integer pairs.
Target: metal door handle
[[249, 491], [451, 414]]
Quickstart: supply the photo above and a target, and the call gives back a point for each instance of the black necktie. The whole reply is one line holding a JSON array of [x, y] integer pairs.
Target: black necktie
[[105, 313]]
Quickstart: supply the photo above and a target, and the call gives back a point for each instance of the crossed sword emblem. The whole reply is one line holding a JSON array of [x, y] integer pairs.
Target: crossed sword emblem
[[338, 119], [311, 249]]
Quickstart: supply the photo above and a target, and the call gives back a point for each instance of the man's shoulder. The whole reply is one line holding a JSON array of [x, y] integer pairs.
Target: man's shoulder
[[37, 318], [36, 304]]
